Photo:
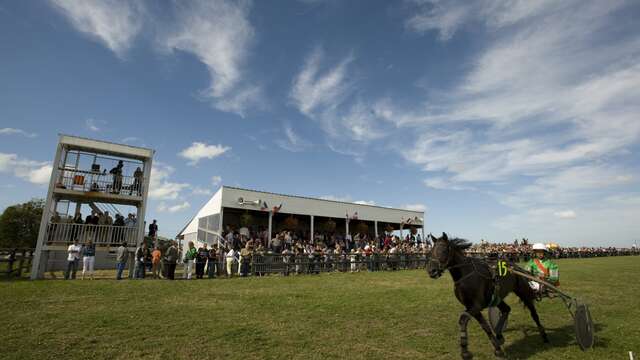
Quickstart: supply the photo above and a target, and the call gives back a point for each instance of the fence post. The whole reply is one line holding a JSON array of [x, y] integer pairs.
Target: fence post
[[21, 263], [12, 258]]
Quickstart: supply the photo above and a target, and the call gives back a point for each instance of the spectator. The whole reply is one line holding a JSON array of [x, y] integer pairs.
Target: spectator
[[155, 262], [137, 182], [153, 230], [105, 219], [130, 220], [73, 256], [211, 263], [122, 255], [117, 177], [230, 258], [170, 259], [88, 258], [77, 220], [245, 259], [201, 261], [189, 258], [141, 256]]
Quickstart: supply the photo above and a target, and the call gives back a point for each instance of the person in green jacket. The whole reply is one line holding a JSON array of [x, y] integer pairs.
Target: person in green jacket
[[542, 266], [189, 258]]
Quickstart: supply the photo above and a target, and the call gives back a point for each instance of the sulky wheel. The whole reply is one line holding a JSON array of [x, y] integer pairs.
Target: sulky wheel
[[584, 327]]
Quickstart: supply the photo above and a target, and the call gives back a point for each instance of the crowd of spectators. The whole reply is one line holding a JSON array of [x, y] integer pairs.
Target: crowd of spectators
[[520, 250], [247, 251]]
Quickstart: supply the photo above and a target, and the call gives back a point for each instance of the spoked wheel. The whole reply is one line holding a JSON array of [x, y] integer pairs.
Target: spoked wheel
[[494, 317], [584, 327]]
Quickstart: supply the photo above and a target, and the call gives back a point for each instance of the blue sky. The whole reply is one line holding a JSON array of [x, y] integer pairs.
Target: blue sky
[[501, 119]]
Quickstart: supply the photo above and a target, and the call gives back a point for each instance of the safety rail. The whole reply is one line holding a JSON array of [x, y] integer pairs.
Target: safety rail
[[66, 233], [14, 263], [103, 182], [262, 264]]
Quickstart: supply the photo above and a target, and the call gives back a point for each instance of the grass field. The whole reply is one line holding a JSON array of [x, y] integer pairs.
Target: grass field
[[383, 315]]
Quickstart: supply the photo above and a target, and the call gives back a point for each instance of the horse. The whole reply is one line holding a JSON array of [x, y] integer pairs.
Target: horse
[[476, 287]]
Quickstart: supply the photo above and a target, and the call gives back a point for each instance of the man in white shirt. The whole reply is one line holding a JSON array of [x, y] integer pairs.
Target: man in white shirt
[[230, 258], [73, 257]]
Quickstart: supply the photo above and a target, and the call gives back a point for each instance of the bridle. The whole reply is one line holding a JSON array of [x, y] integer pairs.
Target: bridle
[[440, 267]]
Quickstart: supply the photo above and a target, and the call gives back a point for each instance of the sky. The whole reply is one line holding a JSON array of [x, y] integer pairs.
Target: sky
[[498, 118]]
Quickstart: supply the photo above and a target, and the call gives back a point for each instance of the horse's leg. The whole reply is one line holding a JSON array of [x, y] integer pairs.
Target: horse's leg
[[487, 329], [504, 315], [534, 314], [463, 321]]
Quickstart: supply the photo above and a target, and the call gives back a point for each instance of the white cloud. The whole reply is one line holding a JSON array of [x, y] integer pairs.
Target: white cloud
[[444, 184], [219, 34], [323, 93], [216, 180], [446, 17], [160, 186], [347, 198], [415, 207], [113, 23], [527, 107], [566, 214], [163, 207], [13, 131], [198, 151], [292, 141], [314, 90], [94, 125], [201, 191], [35, 172]]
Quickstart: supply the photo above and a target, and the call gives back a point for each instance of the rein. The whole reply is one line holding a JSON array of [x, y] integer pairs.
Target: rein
[[471, 262]]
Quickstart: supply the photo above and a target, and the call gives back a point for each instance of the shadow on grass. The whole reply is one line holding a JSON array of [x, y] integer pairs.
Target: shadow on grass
[[561, 337]]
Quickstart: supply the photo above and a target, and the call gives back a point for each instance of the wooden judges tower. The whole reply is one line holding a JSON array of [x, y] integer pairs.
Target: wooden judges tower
[[103, 177]]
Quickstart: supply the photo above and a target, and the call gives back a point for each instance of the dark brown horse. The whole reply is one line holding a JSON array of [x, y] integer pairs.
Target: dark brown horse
[[476, 287]]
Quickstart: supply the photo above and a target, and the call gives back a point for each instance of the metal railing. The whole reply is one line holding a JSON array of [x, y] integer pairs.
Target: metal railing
[[88, 181], [262, 264], [66, 233]]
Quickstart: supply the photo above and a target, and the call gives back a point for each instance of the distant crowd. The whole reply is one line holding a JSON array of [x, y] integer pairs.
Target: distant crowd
[[520, 250]]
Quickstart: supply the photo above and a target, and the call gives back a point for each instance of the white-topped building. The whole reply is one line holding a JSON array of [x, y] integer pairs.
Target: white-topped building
[[236, 207]]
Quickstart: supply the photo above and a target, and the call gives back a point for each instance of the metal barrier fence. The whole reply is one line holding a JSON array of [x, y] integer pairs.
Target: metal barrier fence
[[259, 264], [15, 262], [82, 180], [64, 233]]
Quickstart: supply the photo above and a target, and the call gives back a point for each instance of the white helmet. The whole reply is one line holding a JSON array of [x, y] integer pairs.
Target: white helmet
[[539, 246]]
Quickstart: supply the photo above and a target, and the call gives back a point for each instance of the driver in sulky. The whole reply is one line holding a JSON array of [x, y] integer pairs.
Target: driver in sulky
[[542, 266]]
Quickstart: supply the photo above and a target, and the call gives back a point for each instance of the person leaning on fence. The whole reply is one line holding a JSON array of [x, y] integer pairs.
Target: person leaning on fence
[[88, 258], [137, 182], [117, 177], [201, 261], [245, 259], [170, 260], [73, 257], [122, 255], [189, 257]]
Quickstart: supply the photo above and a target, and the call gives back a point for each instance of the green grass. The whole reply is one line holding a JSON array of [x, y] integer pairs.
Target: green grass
[[403, 315]]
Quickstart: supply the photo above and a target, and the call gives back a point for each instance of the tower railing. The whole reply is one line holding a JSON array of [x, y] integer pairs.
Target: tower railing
[[103, 182], [66, 233]]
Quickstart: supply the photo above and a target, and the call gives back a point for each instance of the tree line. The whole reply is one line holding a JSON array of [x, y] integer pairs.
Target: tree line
[[20, 223]]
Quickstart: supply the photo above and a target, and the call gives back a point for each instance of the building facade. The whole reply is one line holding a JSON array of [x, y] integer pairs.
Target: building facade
[[233, 208]]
